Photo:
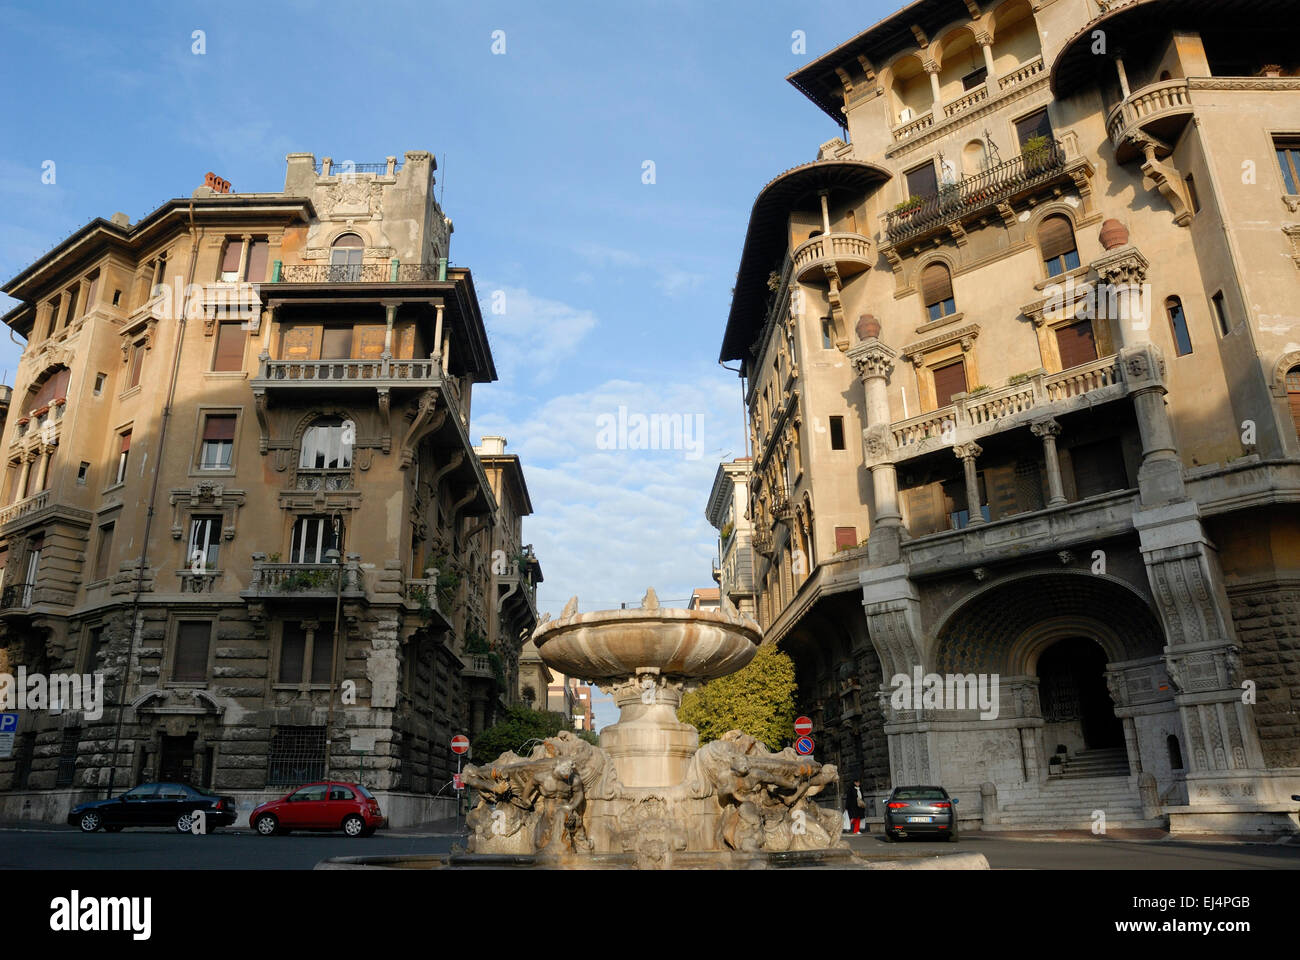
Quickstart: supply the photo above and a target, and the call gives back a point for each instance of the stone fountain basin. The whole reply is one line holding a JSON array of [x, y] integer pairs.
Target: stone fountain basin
[[612, 644]]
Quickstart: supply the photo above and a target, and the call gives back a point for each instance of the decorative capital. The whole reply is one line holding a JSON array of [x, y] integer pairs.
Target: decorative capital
[[1045, 428], [1123, 266], [871, 358], [967, 451]]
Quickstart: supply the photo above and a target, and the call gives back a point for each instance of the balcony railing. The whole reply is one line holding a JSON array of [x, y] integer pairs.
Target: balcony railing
[[992, 411], [348, 371], [1146, 105], [1022, 73], [851, 249], [968, 196], [274, 579], [344, 168], [25, 506], [969, 100], [17, 596], [389, 272]]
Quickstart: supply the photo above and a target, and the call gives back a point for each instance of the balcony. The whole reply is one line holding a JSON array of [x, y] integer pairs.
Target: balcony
[[1014, 405], [23, 507], [305, 581], [390, 272], [975, 196], [845, 254], [17, 596], [1160, 110], [315, 374], [959, 109]]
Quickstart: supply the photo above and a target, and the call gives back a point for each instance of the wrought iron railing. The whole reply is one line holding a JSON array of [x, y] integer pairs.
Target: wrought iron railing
[[965, 197], [387, 272], [16, 596]]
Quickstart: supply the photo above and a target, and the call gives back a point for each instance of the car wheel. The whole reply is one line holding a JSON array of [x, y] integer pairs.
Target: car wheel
[[90, 822], [185, 823], [354, 826], [267, 825]]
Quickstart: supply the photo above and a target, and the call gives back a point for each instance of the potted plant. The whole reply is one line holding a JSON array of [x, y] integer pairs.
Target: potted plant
[[908, 206], [1034, 150]]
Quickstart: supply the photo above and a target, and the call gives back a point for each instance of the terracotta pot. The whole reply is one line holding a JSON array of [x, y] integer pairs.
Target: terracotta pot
[[868, 327], [1113, 234]]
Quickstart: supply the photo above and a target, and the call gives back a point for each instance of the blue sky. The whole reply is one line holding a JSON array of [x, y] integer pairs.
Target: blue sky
[[617, 291]]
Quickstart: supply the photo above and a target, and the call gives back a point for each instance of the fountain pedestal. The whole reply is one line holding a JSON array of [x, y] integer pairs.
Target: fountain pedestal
[[649, 746]]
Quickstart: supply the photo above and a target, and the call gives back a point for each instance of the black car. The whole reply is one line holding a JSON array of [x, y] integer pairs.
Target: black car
[[155, 805], [916, 811]]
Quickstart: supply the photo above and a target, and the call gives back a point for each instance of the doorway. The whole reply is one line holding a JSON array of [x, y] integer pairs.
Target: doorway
[[177, 759], [1077, 708]]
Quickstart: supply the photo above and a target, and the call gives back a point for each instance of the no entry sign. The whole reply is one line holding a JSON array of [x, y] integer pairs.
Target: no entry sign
[[459, 743], [803, 726], [804, 746]]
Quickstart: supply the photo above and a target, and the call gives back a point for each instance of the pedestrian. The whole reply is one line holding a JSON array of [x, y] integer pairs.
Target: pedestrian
[[854, 807]]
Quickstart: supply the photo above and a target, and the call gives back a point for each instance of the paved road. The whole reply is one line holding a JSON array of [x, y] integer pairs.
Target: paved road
[[68, 849]]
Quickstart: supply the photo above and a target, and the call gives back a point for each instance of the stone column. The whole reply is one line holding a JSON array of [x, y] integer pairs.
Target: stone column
[[874, 362], [986, 45], [20, 490], [967, 454], [932, 69], [437, 330], [1123, 77], [1048, 430], [1123, 270], [42, 472]]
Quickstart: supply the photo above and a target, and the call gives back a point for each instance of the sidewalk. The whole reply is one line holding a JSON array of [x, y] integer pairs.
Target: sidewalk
[[873, 842]]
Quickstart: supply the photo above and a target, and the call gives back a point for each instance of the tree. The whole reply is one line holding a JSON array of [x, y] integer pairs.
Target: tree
[[758, 699], [520, 725]]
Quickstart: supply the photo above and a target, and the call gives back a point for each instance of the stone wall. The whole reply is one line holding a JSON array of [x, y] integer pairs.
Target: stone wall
[[1267, 620]]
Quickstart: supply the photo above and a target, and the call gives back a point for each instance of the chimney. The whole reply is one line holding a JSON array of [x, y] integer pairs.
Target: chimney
[[121, 219], [492, 447]]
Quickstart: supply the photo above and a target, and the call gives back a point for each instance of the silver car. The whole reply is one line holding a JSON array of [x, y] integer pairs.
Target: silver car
[[915, 811]]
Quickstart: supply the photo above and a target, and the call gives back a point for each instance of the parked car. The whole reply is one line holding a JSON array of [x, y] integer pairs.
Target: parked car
[[329, 805], [916, 811], [155, 805]]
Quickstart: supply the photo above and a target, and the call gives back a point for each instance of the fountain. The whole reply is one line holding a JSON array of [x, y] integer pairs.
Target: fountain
[[649, 796]]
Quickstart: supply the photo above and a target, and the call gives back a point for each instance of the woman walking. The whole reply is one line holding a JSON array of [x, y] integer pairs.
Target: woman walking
[[853, 806]]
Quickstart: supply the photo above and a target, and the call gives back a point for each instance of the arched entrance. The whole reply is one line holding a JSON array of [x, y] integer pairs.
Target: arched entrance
[[1078, 711]]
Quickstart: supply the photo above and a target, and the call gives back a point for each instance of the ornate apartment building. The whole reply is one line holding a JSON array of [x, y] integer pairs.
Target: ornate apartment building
[[728, 513], [1023, 374], [239, 485]]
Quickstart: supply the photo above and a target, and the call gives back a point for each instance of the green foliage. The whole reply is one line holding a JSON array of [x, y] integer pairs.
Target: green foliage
[[519, 725], [1034, 147], [308, 580], [758, 700], [727, 528], [911, 203]]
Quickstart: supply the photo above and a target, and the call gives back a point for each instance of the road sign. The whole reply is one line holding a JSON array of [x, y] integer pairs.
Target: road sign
[[459, 743], [457, 782], [803, 725], [804, 746], [8, 724]]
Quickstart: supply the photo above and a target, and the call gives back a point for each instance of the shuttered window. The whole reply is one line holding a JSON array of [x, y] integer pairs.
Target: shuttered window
[[124, 454], [218, 447], [229, 354], [230, 260], [257, 255], [192, 638], [1293, 395], [1075, 344], [936, 291], [949, 380], [1056, 241]]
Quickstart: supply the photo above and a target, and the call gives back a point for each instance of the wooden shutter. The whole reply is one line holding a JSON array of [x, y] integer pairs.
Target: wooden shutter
[[257, 254], [230, 347], [1293, 395], [923, 181], [404, 337], [230, 259], [949, 380], [370, 341], [1075, 344], [1055, 237], [126, 441], [299, 343], [192, 638], [293, 646], [936, 284], [219, 427]]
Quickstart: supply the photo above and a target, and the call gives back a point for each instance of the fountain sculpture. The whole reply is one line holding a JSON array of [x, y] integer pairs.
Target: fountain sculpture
[[649, 796]]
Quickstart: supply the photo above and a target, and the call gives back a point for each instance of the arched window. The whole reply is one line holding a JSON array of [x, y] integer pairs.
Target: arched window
[[1056, 242], [1178, 326], [1293, 395], [345, 257], [327, 445], [936, 291], [1175, 752]]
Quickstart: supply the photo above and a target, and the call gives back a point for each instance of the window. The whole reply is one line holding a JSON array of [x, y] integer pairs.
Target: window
[[217, 450], [1192, 196], [205, 543], [137, 362], [1288, 159], [306, 656], [82, 472], [117, 298], [974, 78], [846, 538], [1056, 241], [230, 261], [258, 251], [68, 757], [1220, 314], [124, 454], [191, 661], [52, 388], [1178, 326], [297, 755], [314, 538], [100, 379], [345, 257], [94, 646], [949, 380], [922, 181], [323, 447], [1293, 396], [1035, 125], [229, 354], [1075, 344], [936, 291], [827, 340], [336, 343], [34, 548], [103, 552], [837, 433]]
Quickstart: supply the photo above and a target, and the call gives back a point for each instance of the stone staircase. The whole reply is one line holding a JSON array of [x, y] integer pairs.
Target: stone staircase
[[1091, 764], [1092, 780]]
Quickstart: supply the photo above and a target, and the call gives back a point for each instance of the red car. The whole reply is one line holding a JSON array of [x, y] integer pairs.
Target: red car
[[329, 805]]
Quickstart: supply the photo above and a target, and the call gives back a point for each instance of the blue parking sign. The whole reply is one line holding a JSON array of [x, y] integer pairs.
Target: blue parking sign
[[8, 722]]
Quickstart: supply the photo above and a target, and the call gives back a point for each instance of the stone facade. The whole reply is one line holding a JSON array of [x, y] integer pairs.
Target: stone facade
[[240, 486], [1022, 410]]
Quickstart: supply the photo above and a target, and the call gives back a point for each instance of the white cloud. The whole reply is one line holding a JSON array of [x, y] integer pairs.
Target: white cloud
[[531, 334]]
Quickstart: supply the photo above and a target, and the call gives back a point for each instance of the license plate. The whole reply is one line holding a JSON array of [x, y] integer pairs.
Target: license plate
[[920, 819]]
